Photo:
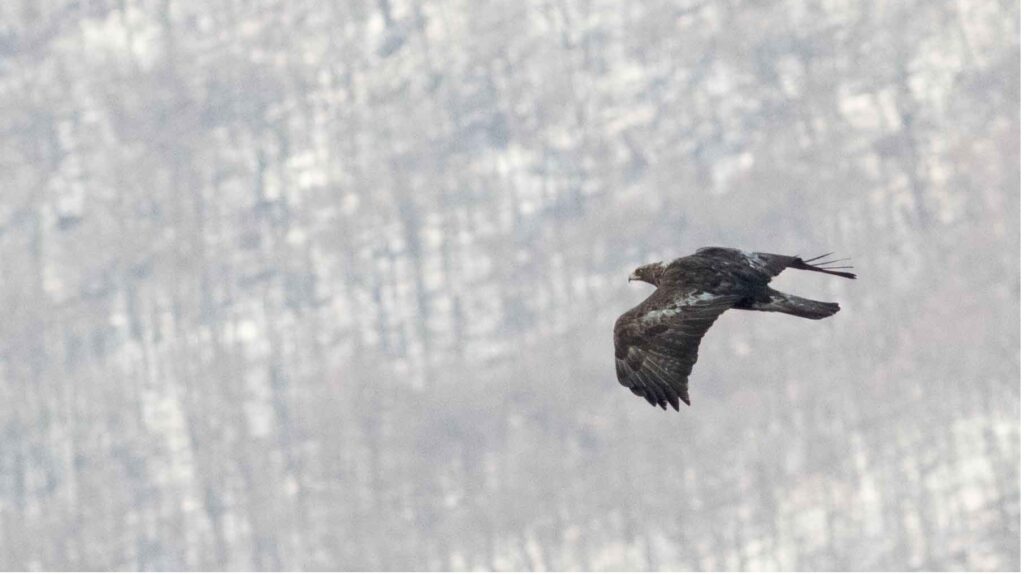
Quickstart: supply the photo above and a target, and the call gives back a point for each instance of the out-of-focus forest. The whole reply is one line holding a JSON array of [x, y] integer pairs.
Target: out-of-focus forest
[[330, 285]]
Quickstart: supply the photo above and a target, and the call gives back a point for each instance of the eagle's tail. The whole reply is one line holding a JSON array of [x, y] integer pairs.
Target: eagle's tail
[[798, 306], [819, 266]]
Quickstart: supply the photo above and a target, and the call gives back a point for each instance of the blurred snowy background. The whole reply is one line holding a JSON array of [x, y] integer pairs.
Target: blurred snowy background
[[311, 285]]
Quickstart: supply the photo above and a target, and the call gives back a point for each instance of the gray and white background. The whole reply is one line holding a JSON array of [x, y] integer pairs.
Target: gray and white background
[[330, 285]]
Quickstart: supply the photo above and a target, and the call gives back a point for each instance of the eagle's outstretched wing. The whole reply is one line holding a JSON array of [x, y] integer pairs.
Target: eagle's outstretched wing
[[656, 342], [771, 265]]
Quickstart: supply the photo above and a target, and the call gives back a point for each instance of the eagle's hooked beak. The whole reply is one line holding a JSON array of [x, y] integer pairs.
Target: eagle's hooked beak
[[634, 277]]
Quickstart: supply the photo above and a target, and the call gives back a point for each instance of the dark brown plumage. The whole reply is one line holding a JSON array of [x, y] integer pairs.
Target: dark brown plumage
[[656, 342]]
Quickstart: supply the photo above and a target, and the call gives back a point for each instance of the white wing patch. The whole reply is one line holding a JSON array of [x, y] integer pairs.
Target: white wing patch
[[657, 315], [694, 297], [755, 261], [678, 306]]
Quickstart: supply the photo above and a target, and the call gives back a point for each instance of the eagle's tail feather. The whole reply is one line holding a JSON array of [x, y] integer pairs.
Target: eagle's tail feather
[[798, 306], [819, 266]]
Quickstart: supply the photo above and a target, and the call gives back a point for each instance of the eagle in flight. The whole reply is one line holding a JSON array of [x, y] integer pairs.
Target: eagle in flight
[[656, 341]]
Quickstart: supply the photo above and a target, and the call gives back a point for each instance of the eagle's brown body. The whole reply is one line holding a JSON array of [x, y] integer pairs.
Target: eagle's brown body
[[656, 342]]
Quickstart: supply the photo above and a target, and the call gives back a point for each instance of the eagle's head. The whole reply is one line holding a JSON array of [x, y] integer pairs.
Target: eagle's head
[[649, 273]]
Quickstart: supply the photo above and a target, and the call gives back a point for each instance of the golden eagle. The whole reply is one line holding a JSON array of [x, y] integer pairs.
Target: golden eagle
[[656, 341]]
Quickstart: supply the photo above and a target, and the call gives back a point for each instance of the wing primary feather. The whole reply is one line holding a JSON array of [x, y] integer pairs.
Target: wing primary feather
[[655, 389], [667, 389], [672, 383]]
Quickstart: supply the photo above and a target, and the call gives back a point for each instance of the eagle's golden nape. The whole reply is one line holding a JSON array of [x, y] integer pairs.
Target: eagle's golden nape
[[656, 342]]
